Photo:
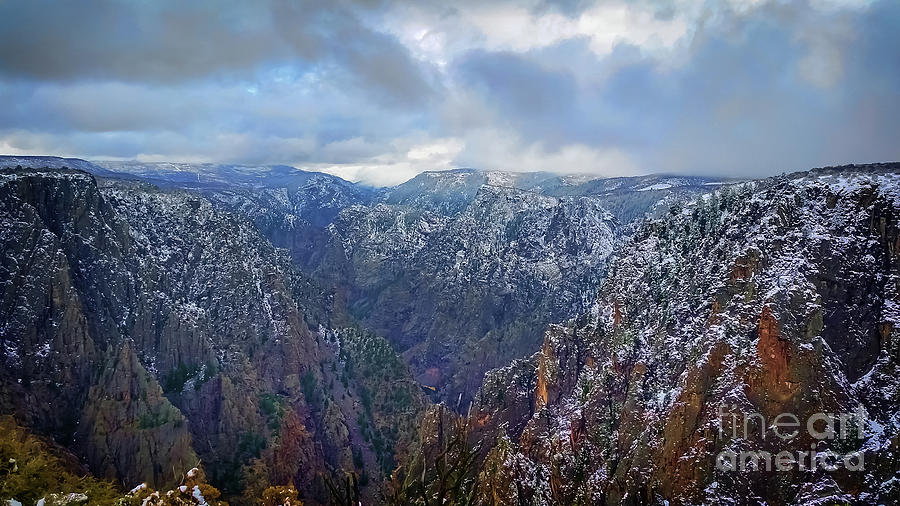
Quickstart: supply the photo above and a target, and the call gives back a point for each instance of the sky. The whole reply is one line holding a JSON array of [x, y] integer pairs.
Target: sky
[[380, 91]]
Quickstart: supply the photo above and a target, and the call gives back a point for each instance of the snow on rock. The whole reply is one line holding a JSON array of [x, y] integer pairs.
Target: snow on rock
[[776, 295]]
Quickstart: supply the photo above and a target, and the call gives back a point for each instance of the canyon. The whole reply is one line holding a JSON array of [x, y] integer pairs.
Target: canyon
[[529, 338]]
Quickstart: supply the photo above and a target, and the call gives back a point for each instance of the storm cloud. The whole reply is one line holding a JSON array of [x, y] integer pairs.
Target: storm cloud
[[380, 91]]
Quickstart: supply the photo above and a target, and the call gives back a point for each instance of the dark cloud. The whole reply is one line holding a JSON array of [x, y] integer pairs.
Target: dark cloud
[[171, 41], [539, 103], [555, 96], [765, 96], [212, 121], [571, 8]]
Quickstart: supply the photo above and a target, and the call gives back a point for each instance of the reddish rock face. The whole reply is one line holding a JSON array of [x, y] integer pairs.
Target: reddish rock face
[[544, 379], [744, 267], [775, 354], [689, 437]]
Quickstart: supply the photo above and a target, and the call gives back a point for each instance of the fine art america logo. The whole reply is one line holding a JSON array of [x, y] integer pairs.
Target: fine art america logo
[[836, 430]]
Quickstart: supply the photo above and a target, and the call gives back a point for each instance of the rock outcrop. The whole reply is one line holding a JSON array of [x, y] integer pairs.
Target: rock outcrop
[[129, 431], [765, 298]]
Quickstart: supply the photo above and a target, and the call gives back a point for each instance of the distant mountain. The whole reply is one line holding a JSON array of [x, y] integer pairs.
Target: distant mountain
[[628, 198], [450, 191], [53, 162], [210, 175]]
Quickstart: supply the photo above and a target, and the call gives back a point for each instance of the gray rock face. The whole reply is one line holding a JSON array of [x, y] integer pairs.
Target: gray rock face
[[129, 432], [461, 270], [463, 294], [149, 328], [48, 351]]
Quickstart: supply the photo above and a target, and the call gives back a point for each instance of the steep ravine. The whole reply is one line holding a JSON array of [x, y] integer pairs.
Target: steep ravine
[[149, 330]]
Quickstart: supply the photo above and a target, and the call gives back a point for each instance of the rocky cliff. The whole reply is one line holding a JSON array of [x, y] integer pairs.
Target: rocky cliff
[[149, 330], [462, 294], [770, 297]]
